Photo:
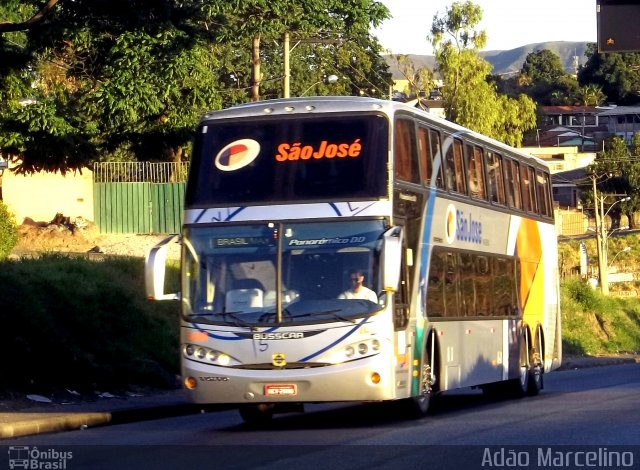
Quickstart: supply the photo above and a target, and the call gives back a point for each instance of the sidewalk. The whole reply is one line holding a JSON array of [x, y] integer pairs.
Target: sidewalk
[[55, 417]]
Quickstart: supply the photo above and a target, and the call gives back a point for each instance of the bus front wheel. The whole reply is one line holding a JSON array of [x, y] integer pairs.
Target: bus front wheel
[[419, 405]]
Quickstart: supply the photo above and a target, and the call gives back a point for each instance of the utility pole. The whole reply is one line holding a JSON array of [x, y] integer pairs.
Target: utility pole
[[604, 268], [286, 79], [256, 75], [286, 55], [603, 278]]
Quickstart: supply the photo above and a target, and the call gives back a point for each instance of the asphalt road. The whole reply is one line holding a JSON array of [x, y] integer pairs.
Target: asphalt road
[[596, 408]]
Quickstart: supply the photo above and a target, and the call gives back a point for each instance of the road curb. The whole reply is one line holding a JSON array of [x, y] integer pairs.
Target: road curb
[[580, 362], [27, 424]]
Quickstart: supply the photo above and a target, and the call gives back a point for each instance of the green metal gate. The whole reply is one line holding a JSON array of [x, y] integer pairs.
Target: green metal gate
[[139, 197]]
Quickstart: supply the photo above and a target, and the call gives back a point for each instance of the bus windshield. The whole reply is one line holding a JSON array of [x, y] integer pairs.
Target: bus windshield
[[231, 272], [290, 159]]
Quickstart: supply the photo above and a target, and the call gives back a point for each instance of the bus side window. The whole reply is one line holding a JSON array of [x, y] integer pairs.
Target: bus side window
[[436, 152], [495, 180], [435, 285], [527, 203], [504, 287], [512, 178], [405, 163], [467, 285], [483, 285], [544, 198], [455, 168], [475, 175], [451, 286], [426, 148], [531, 178]]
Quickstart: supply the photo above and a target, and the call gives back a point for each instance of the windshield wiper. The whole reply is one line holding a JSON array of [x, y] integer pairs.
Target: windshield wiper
[[267, 315], [327, 312], [233, 315]]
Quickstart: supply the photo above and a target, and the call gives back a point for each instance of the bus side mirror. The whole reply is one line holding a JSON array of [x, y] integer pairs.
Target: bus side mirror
[[391, 259], [155, 269]]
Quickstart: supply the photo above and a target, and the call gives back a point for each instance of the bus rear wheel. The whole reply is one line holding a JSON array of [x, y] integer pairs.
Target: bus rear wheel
[[536, 370], [519, 387], [257, 415]]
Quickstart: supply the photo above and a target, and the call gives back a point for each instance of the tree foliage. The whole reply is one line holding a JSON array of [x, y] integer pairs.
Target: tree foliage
[[617, 174], [128, 79], [420, 80], [543, 78], [8, 231], [616, 73], [470, 98]]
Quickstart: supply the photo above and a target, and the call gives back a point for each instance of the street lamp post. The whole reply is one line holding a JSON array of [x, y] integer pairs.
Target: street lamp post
[[328, 80], [626, 249], [602, 237]]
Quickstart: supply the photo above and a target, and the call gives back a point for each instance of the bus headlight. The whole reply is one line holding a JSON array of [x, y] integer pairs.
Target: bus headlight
[[350, 352], [207, 355], [224, 360]]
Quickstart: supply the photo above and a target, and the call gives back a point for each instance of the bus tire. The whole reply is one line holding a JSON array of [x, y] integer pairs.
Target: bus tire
[[536, 370], [419, 406], [257, 415], [519, 386]]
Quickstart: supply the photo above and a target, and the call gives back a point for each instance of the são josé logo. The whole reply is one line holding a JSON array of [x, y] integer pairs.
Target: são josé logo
[[462, 227], [237, 154], [451, 224]]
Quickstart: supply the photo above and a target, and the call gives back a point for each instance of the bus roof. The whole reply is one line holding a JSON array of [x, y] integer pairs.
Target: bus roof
[[337, 104]]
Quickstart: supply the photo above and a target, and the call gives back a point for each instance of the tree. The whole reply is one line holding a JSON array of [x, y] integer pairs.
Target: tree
[[11, 26], [420, 81], [616, 73], [545, 80], [470, 99], [128, 79], [591, 95], [618, 173]]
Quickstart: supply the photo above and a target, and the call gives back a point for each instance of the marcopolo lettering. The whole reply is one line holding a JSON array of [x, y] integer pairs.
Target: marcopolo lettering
[[468, 229], [297, 151]]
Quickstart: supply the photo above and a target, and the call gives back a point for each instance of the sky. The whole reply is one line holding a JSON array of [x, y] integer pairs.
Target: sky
[[508, 23]]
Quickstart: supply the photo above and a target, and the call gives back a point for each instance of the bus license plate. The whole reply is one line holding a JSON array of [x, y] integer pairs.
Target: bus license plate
[[281, 389]]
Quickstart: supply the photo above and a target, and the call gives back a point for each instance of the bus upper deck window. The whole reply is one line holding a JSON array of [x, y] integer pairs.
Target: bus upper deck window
[[405, 162]]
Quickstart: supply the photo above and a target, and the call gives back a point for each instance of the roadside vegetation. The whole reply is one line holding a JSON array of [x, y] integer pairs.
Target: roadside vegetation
[[593, 324], [83, 324]]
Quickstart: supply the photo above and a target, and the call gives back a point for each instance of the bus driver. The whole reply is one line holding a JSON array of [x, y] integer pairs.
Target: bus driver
[[357, 290]]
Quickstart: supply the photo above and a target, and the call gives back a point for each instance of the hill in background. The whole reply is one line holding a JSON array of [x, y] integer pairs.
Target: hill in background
[[510, 61]]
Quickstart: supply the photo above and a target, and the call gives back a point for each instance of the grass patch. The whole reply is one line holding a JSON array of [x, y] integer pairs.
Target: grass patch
[[73, 322], [594, 324]]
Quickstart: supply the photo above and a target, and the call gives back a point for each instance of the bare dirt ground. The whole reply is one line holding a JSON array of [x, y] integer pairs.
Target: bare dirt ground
[[66, 235]]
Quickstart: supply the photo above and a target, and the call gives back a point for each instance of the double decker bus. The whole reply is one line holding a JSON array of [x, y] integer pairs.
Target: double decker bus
[[453, 231]]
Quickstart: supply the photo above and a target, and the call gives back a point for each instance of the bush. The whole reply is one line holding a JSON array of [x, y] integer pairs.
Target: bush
[[8, 231]]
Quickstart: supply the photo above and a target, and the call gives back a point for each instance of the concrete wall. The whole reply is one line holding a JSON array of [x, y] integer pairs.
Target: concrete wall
[[42, 195]]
